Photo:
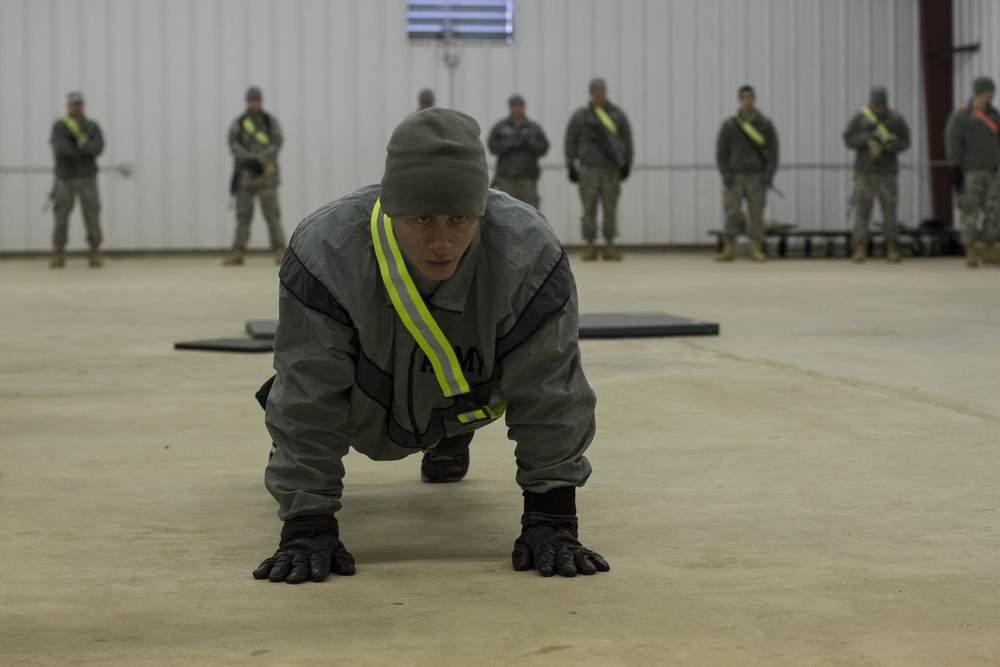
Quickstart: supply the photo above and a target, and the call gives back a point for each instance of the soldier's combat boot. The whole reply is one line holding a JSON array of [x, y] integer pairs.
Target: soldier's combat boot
[[728, 252], [94, 258], [235, 258], [757, 252], [448, 461], [610, 252], [58, 260], [892, 253], [971, 257], [860, 252], [590, 252]]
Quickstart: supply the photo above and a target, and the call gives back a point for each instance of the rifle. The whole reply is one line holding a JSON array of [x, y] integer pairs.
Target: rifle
[[51, 198]]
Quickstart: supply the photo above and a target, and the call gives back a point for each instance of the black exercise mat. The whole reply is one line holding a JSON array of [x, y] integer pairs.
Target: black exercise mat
[[227, 345], [592, 325]]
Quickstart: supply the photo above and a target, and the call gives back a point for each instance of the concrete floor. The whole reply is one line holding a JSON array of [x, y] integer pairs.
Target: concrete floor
[[817, 485]]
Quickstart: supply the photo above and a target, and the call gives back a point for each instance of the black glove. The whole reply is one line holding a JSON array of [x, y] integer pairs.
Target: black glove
[[625, 171], [958, 179], [766, 180], [255, 166], [549, 544], [310, 546], [574, 175], [728, 179]]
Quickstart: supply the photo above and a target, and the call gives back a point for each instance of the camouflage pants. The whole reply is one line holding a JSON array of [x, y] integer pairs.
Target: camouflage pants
[[268, 196], [90, 202], [604, 184], [750, 187], [866, 188], [525, 189], [981, 191]]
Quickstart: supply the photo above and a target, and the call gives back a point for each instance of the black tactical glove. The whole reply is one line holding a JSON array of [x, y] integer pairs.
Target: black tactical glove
[[574, 175], [255, 167], [958, 179], [728, 179], [310, 546], [625, 171], [548, 540], [549, 544]]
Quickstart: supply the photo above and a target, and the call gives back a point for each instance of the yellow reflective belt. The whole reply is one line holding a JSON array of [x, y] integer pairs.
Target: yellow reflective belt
[[258, 135], [882, 130], [74, 127], [605, 119], [496, 408], [412, 310], [750, 131]]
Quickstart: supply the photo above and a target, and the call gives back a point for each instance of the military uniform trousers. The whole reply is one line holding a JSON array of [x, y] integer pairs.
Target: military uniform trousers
[[981, 191], [268, 197], [525, 189], [750, 187], [602, 183], [866, 188], [90, 202]]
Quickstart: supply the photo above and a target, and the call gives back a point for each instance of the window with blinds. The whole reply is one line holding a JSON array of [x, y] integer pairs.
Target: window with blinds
[[482, 20]]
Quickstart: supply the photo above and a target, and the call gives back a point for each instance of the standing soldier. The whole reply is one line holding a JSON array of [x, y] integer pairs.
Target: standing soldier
[[878, 135], [518, 143], [971, 139], [746, 153], [599, 157], [425, 99], [254, 140], [76, 142]]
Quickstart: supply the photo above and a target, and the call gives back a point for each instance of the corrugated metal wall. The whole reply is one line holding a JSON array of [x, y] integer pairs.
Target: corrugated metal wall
[[165, 78], [975, 22]]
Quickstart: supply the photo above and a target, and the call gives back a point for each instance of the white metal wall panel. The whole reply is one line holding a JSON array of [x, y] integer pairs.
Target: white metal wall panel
[[975, 22], [165, 78]]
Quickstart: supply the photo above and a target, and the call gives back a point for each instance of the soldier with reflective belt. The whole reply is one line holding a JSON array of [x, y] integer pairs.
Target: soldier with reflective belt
[[878, 136], [598, 149], [972, 143], [746, 152], [412, 313], [254, 140], [76, 142]]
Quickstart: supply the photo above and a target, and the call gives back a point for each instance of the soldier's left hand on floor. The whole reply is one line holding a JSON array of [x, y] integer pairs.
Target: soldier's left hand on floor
[[548, 543]]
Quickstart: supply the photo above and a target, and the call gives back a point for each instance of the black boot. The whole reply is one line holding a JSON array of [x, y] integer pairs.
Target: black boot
[[448, 461]]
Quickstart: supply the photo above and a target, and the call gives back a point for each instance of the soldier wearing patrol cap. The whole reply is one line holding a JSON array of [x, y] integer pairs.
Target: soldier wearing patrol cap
[[76, 142], [878, 135], [972, 142], [254, 140]]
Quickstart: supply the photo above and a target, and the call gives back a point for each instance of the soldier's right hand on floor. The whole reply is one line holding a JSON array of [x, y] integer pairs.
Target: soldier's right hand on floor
[[310, 548], [549, 543]]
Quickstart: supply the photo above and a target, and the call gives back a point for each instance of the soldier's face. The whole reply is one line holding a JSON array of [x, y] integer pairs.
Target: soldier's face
[[435, 243], [746, 101], [599, 97], [517, 112], [75, 109], [253, 106]]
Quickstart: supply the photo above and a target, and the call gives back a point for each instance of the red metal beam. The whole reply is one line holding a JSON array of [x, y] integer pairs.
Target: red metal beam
[[938, 52]]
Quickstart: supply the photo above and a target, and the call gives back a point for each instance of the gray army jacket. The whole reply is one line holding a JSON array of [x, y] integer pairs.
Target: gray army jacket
[[860, 130], [589, 143], [244, 148], [72, 160], [518, 147], [969, 142], [349, 374], [734, 152]]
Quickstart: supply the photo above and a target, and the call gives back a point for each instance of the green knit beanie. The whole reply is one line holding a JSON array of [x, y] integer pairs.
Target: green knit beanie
[[435, 164]]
